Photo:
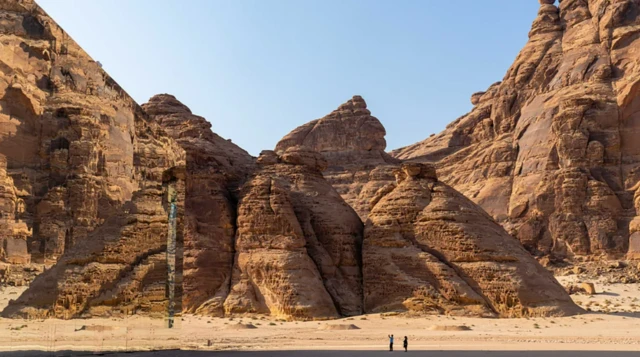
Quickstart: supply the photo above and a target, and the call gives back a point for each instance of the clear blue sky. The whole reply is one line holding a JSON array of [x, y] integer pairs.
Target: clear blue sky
[[256, 69]]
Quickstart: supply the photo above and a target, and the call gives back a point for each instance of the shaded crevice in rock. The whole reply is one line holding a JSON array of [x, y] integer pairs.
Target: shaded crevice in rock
[[216, 168], [320, 257]]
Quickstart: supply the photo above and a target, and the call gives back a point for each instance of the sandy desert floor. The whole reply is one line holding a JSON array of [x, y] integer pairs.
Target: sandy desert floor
[[617, 329]]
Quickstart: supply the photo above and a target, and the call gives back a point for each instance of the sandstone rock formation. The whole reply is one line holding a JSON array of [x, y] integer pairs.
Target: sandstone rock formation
[[100, 186], [298, 243], [634, 228], [427, 248], [352, 141], [215, 169], [205, 149], [89, 174], [551, 152], [15, 232], [67, 131]]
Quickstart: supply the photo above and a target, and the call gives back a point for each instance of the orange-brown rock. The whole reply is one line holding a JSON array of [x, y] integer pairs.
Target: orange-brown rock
[[298, 243], [215, 167], [589, 288], [15, 232], [120, 268], [88, 171], [66, 130], [634, 229], [551, 152], [204, 147], [89, 174], [429, 249], [352, 141]]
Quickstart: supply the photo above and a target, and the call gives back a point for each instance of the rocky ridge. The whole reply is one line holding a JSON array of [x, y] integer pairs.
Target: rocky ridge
[[352, 141], [297, 244], [551, 151], [266, 236]]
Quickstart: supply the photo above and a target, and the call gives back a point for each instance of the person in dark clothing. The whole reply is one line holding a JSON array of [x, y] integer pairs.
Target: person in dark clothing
[[390, 343], [405, 343]]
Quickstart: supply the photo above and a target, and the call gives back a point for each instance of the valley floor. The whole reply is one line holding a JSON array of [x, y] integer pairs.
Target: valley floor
[[617, 329]]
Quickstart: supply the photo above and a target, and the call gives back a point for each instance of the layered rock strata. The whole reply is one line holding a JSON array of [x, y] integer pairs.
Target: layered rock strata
[[15, 232], [429, 249], [215, 169], [551, 152], [67, 130], [89, 169], [298, 243], [94, 178], [352, 141]]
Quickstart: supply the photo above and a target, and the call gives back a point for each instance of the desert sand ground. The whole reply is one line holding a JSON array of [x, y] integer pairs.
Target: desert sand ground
[[617, 329], [318, 353]]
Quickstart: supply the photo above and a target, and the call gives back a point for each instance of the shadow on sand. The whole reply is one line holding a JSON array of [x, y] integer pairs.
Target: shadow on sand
[[175, 353], [635, 315]]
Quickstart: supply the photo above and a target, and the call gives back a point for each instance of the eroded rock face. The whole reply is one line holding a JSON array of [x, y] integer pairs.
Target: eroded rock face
[[66, 130], [120, 269], [15, 232], [634, 230], [429, 249], [89, 173], [215, 168], [298, 243], [352, 141], [204, 147], [551, 152]]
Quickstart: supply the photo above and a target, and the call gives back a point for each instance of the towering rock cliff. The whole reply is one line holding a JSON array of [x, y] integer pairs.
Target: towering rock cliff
[[352, 141], [551, 152], [215, 169], [100, 186], [86, 172], [67, 130], [427, 248]]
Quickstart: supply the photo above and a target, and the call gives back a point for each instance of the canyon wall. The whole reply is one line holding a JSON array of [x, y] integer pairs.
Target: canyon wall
[[551, 151]]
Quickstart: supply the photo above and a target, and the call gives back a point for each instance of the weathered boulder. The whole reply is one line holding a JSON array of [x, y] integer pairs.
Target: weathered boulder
[[429, 249], [352, 141], [298, 243], [204, 148], [551, 152], [589, 288], [215, 168]]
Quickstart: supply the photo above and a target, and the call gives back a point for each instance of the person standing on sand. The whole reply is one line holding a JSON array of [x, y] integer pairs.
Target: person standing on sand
[[405, 343], [390, 343]]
